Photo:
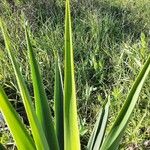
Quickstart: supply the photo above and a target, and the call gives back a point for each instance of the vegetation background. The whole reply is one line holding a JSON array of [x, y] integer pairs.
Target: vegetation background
[[111, 43]]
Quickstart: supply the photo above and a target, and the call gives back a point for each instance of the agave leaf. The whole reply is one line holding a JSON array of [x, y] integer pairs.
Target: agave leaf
[[117, 130], [58, 101], [41, 103], [71, 131], [36, 129], [23, 139], [97, 135]]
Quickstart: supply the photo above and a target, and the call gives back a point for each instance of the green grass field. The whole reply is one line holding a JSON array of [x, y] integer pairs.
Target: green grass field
[[111, 41]]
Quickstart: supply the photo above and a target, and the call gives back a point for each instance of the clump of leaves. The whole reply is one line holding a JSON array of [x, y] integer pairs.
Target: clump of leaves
[[64, 134]]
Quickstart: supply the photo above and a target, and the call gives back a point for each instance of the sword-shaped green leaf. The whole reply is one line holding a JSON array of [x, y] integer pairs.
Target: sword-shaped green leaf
[[118, 128], [98, 133], [37, 131], [58, 101], [23, 139], [71, 131], [41, 103]]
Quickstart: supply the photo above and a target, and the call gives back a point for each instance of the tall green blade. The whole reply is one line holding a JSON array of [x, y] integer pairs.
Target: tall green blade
[[117, 130], [41, 103], [98, 133], [36, 129], [71, 132], [58, 101], [23, 139]]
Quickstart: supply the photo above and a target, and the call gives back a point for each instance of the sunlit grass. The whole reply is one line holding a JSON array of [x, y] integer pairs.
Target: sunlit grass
[[109, 66]]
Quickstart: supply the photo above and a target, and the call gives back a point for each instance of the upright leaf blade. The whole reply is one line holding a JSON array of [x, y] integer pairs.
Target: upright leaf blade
[[36, 129], [58, 101], [98, 133], [41, 103], [71, 131], [23, 139], [117, 130]]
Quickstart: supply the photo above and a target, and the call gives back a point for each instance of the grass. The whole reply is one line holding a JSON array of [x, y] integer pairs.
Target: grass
[[109, 51]]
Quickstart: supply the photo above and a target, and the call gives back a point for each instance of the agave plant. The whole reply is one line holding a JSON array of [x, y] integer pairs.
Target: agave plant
[[63, 133]]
